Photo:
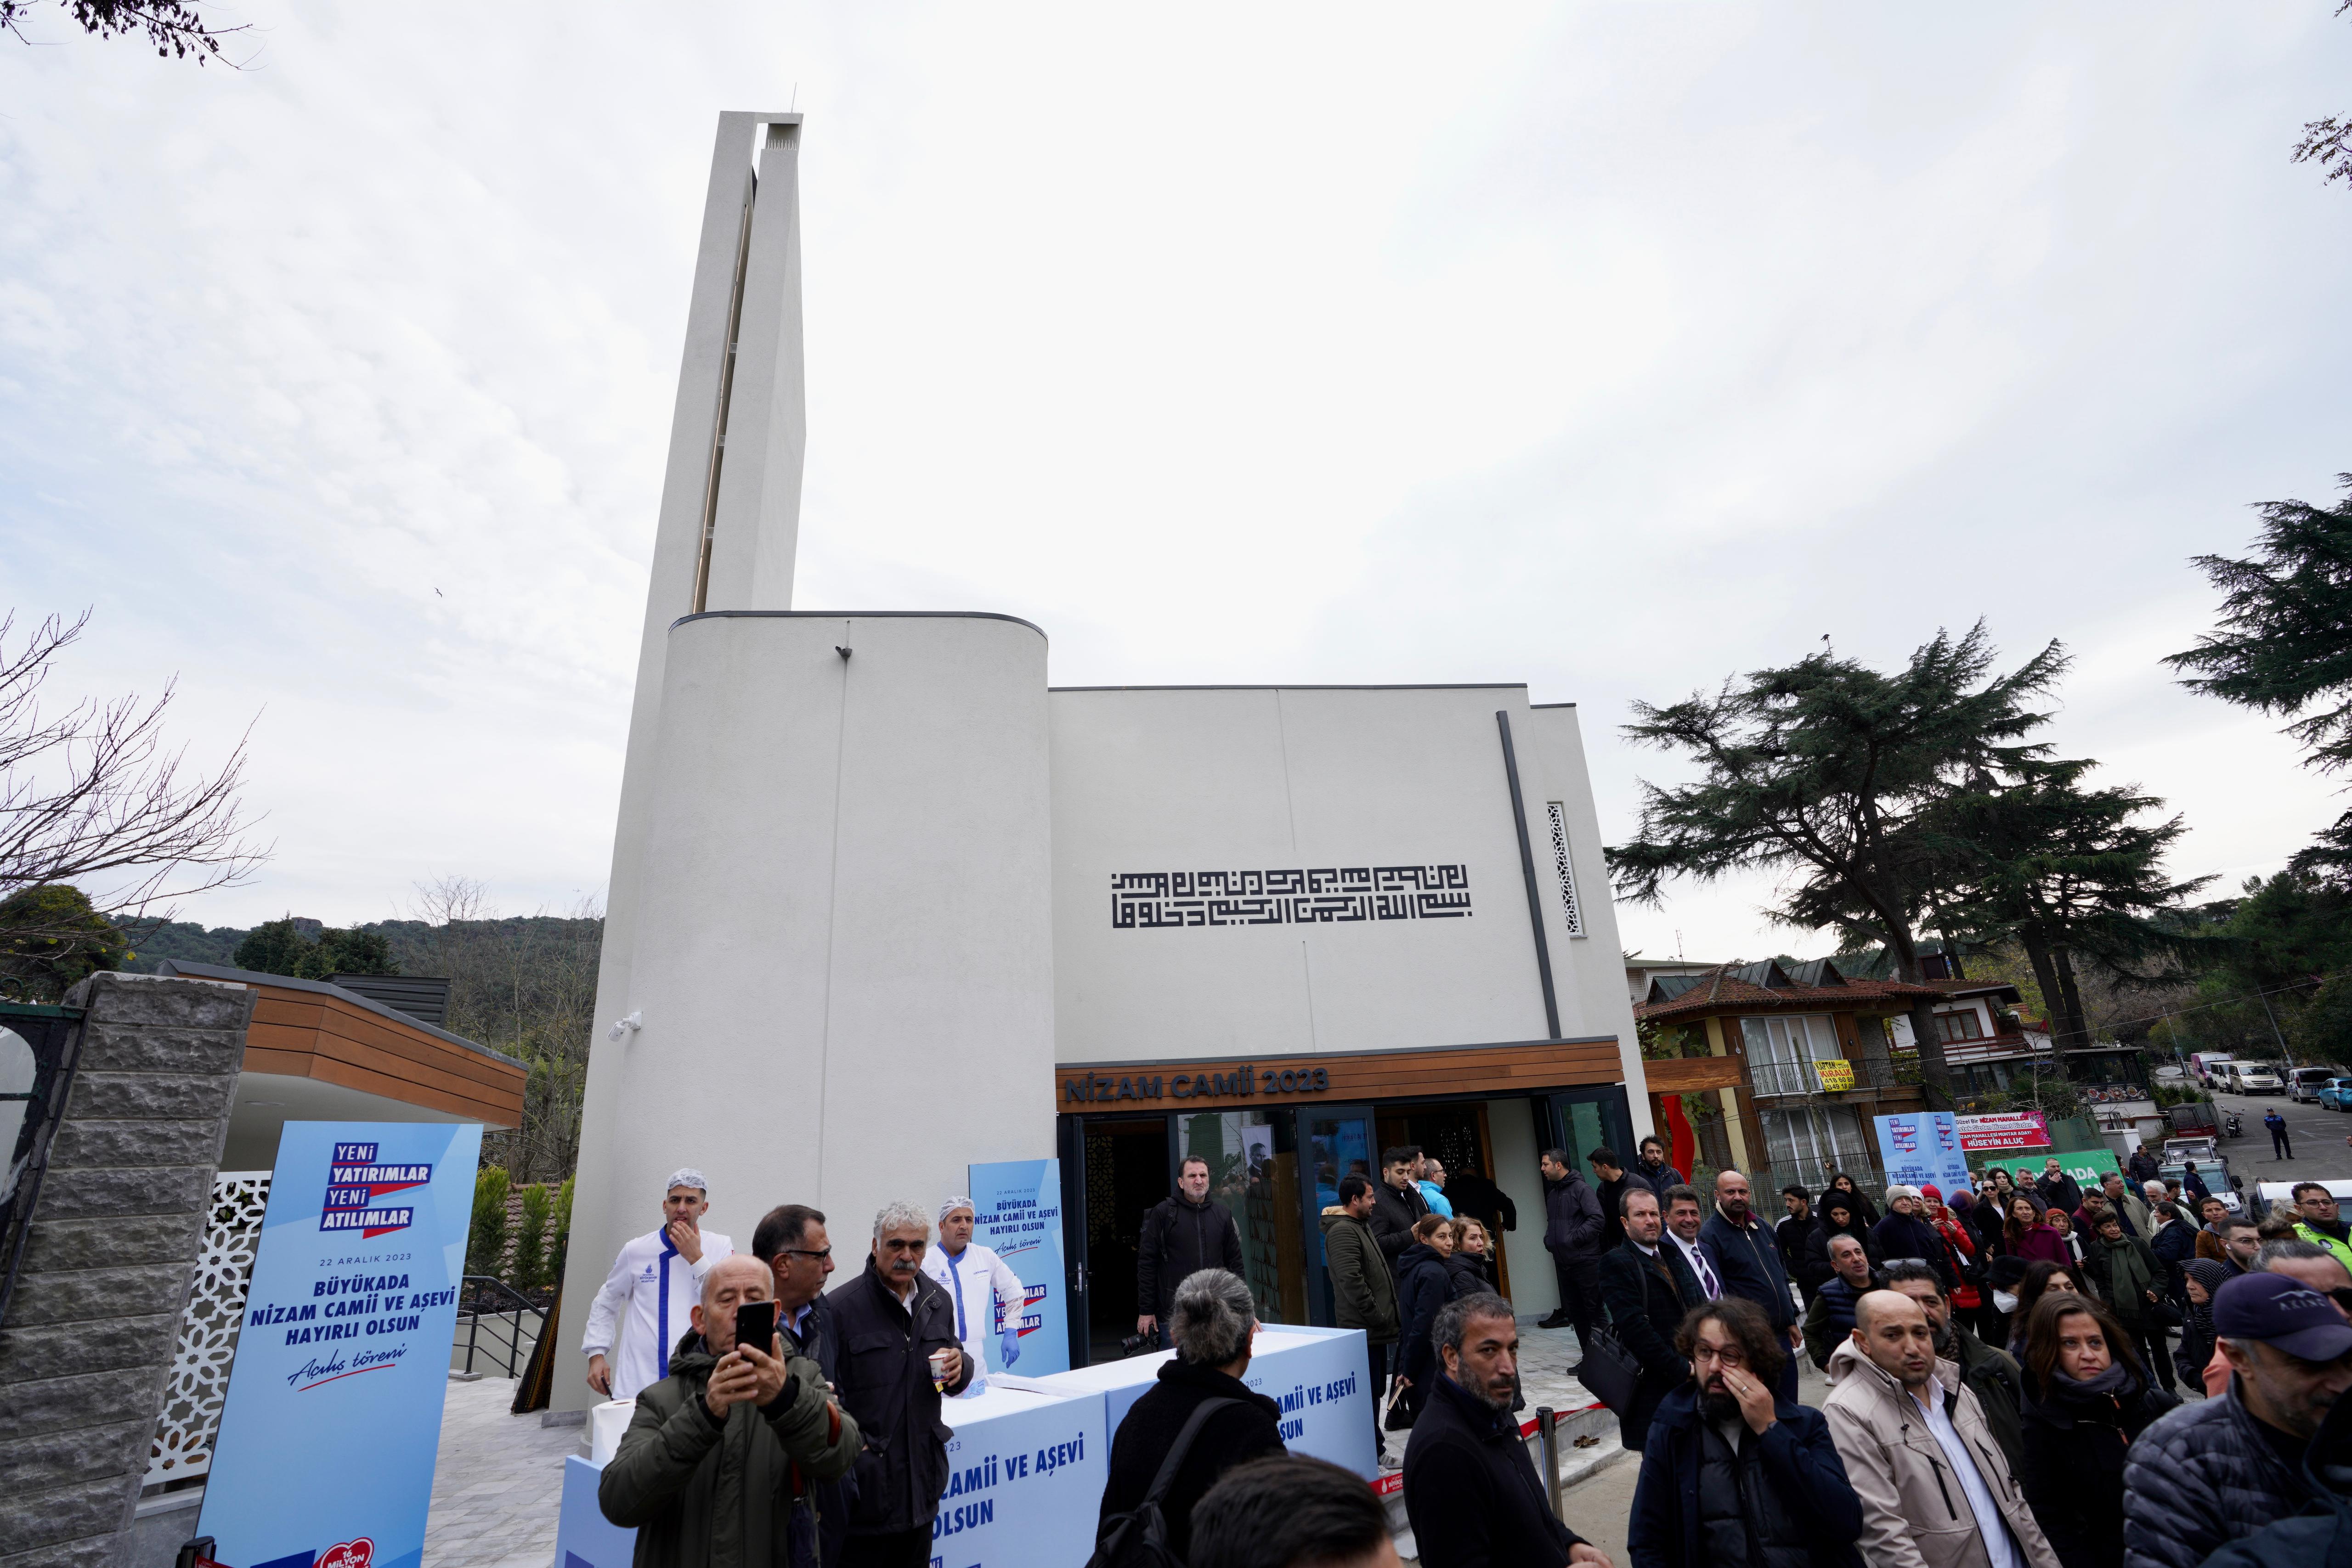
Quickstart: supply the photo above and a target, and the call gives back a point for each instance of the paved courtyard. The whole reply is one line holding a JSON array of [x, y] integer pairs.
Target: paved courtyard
[[498, 1483]]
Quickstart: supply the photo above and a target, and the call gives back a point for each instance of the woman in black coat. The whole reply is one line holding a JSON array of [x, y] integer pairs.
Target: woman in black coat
[[1468, 1266], [1863, 1207], [1422, 1287], [2086, 1398], [1212, 1324]]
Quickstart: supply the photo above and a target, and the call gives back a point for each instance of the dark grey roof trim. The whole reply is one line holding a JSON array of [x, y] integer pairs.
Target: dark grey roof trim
[[856, 615], [1296, 686], [1550, 705], [195, 970], [1133, 1062]]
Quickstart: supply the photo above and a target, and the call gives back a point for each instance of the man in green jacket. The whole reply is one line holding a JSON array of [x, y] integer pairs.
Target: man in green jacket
[[717, 1465], [1364, 1293]]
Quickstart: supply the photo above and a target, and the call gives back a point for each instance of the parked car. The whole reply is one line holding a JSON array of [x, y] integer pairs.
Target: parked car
[[2256, 1078], [2213, 1170], [2336, 1094], [2304, 1083]]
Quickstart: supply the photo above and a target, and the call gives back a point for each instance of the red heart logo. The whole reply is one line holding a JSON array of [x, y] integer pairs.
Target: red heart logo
[[350, 1555]]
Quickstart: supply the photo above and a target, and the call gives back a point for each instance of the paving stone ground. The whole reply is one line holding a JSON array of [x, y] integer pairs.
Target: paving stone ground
[[499, 1484]]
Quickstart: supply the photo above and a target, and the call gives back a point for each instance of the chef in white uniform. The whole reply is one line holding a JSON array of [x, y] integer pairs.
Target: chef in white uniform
[[976, 1279], [654, 1283]]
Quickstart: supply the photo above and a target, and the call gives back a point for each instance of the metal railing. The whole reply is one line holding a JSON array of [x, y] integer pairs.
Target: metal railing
[[1783, 1078], [486, 1299]]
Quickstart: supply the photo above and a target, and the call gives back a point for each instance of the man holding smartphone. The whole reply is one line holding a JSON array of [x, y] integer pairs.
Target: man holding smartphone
[[651, 1292], [738, 1427]]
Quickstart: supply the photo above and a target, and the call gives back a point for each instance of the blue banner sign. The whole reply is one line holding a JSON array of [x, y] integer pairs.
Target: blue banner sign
[[1017, 1215], [1924, 1150], [333, 1417]]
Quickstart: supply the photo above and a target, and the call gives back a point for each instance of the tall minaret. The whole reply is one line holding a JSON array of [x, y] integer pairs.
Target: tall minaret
[[730, 512], [827, 973]]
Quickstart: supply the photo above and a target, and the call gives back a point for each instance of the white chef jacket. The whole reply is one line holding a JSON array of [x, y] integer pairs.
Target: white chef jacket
[[657, 1288], [973, 1281]]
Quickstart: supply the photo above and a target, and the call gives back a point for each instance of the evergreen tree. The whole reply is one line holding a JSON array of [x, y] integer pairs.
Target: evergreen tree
[[1823, 769], [2285, 645], [50, 940], [2066, 871], [280, 947]]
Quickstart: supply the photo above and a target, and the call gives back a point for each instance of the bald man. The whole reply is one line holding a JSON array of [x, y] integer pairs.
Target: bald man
[[1887, 1393], [731, 1422]]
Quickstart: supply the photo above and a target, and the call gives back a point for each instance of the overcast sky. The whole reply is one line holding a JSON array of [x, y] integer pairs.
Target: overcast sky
[[1612, 349]]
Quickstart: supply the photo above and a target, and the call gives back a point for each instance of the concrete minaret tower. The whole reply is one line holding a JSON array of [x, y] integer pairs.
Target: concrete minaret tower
[[829, 924]]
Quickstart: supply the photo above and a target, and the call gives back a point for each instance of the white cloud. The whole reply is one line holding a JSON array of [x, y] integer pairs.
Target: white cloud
[[1614, 349]]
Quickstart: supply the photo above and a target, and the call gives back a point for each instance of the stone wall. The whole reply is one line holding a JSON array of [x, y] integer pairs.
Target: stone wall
[[86, 1350]]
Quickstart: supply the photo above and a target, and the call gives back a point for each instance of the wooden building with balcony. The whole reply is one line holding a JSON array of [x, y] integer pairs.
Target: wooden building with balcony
[[1788, 1063]]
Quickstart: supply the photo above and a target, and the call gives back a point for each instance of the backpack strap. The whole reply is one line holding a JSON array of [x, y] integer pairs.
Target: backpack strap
[[1181, 1446]]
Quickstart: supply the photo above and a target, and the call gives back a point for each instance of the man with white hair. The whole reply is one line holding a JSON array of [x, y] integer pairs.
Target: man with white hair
[[981, 1284], [898, 1356], [649, 1297]]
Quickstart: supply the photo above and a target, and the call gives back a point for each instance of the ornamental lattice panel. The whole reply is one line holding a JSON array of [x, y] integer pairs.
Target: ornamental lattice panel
[[200, 1363]]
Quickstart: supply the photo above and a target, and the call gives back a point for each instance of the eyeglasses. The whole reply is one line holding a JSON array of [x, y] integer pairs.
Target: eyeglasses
[[1730, 1355], [804, 1253]]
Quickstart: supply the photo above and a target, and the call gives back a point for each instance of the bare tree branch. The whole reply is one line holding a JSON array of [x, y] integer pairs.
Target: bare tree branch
[[91, 797]]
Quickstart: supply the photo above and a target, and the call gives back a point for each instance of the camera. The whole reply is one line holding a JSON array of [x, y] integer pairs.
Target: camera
[[1136, 1344]]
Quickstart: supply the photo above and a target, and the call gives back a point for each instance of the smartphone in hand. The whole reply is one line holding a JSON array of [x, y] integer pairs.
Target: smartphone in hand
[[755, 1325]]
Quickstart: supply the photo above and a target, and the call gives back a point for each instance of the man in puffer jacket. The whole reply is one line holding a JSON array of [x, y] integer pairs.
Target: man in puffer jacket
[[2218, 1470], [716, 1467], [1933, 1482], [2323, 1538]]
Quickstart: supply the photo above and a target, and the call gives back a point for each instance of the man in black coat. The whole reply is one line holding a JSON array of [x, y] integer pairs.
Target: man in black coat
[[1470, 1488], [890, 1321], [1182, 1234], [1212, 1324], [1652, 1170], [1476, 1196], [1750, 1263], [1643, 1287], [1729, 1465], [1400, 1204], [1790, 1234], [1609, 1183], [1572, 1228], [2058, 1190]]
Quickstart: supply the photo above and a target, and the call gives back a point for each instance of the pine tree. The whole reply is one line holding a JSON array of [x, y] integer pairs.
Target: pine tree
[[1822, 768]]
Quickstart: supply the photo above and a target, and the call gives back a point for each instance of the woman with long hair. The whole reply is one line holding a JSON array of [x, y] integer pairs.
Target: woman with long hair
[[1469, 1267], [2040, 1280], [2200, 1278], [1863, 1208], [2086, 1398], [2025, 1236]]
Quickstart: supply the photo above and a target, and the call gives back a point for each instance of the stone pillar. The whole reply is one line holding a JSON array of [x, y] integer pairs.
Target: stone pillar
[[85, 1352]]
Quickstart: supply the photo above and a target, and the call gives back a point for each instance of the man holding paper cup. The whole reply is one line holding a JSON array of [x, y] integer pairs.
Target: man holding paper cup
[[899, 1355]]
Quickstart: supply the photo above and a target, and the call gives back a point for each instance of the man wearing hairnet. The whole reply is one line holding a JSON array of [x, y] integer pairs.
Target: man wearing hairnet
[[647, 1300], [981, 1284]]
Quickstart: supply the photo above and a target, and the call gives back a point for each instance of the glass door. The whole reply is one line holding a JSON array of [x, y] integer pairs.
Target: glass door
[[1254, 1173], [1334, 1141], [1583, 1120]]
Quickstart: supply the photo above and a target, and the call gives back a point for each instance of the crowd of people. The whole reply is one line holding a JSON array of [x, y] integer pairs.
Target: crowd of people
[[2004, 1367]]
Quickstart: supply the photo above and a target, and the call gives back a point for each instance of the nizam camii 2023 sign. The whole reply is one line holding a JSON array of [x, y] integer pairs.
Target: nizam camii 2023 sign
[[333, 1417]]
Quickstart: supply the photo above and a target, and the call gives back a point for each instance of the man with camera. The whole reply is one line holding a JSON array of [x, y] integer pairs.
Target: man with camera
[[709, 1454], [1185, 1233]]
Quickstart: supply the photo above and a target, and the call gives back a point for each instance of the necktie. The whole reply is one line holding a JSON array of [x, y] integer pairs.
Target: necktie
[[1707, 1279]]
